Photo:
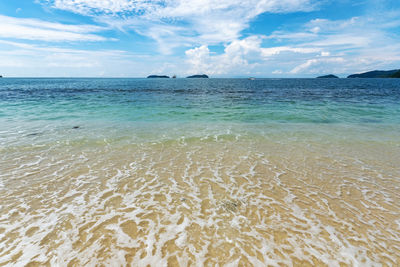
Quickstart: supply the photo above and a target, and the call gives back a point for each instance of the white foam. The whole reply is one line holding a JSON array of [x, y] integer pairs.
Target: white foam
[[251, 194]]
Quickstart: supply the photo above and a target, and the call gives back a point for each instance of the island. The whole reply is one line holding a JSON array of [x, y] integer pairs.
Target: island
[[198, 76], [1, 76], [395, 75], [377, 74], [329, 76], [157, 76]]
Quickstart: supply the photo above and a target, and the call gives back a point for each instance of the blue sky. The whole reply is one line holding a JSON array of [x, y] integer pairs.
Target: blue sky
[[222, 38]]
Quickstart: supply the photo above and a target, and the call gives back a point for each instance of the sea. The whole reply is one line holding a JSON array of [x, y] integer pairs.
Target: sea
[[199, 172]]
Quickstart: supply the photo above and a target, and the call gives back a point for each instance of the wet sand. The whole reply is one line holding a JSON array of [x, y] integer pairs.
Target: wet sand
[[213, 201]]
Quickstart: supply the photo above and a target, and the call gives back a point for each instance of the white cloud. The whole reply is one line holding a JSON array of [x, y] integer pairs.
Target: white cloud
[[174, 23], [35, 29], [27, 60], [108, 6], [346, 46], [270, 51], [316, 65], [199, 59], [319, 46], [246, 54], [180, 8]]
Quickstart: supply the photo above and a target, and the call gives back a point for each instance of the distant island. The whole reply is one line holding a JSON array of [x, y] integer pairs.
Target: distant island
[[330, 76], [377, 74], [396, 74], [1, 76], [157, 76], [198, 76]]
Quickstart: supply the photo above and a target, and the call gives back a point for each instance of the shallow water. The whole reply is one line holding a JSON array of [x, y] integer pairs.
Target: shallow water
[[224, 172]]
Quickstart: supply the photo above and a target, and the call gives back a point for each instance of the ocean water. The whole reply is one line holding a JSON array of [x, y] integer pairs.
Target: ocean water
[[199, 172]]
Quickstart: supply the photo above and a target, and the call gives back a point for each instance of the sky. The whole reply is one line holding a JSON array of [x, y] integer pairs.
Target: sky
[[221, 38]]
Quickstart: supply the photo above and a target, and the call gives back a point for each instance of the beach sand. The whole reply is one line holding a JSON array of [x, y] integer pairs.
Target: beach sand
[[224, 200]]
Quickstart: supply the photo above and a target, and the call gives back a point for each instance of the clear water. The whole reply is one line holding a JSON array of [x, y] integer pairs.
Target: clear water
[[200, 172], [202, 100]]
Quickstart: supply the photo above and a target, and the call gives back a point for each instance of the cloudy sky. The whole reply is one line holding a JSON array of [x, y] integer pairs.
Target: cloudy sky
[[222, 38]]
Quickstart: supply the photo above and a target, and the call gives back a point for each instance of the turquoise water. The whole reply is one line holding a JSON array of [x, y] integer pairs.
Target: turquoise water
[[199, 172], [150, 107], [202, 100]]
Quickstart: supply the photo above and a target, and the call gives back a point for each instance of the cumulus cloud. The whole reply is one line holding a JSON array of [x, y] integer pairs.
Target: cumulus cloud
[[239, 55], [199, 59], [35, 29], [355, 44], [320, 45]]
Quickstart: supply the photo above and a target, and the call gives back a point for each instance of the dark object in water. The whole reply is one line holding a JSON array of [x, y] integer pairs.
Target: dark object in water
[[376, 74], [76, 127], [330, 76], [198, 76], [157, 76], [33, 134]]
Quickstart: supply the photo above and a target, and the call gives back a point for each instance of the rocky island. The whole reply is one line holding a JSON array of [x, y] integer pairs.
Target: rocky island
[[330, 76], [197, 76], [157, 76], [377, 74]]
